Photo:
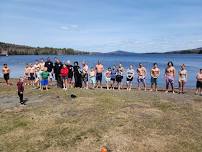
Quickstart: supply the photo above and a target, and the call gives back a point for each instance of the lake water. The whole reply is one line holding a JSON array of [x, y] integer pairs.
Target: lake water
[[192, 61]]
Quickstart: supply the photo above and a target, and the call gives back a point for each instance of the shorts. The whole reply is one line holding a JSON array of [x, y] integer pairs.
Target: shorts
[[129, 79], [153, 81], [70, 75], [113, 79], [50, 75], [99, 77], [85, 77], [92, 80], [6, 76], [44, 82], [141, 79], [199, 85], [31, 76], [107, 79], [64, 77], [170, 79], [119, 78]]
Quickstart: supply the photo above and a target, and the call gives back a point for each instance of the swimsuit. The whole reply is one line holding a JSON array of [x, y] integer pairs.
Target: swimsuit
[[6, 76], [170, 79]]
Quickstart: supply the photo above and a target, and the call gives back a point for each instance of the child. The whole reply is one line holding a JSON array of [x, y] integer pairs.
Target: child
[[64, 75], [199, 83], [44, 77], [20, 89], [108, 77], [129, 77], [182, 78], [92, 76]]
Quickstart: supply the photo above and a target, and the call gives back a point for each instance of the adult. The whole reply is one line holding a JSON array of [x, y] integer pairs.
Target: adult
[[170, 73], [141, 78], [32, 74], [77, 75], [113, 76], [85, 75], [57, 67], [99, 69], [6, 73], [199, 82], [119, 76], [155, 72], [182, 78], [129, 77], [49, 65]]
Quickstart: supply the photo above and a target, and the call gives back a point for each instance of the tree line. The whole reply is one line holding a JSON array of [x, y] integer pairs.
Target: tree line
[[13, 49]]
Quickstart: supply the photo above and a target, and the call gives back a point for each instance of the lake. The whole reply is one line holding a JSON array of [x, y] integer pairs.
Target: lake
[[192, 61]]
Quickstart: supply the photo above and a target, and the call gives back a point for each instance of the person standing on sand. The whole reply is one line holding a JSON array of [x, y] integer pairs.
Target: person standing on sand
[[199, 83], [129, 77], [20, 90], [77, 75], [49, 65], [70, 74], [113, 77], [92, 77], [6, 73], [170, 73], [155, 72], [44, 77], [141, 71], [119, 76], [182, 78], [64, 75], [99, 69], [32, 74], [57, 68], [85, 75], [108, 77]]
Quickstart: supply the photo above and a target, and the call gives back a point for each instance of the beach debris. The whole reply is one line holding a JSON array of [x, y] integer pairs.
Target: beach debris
[[73, 96], [105, 148]]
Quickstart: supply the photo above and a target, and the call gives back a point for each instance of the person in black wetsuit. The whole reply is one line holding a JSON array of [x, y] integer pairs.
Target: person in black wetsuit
[[49, 65], [57, 68], [77, 75], [70, 74]]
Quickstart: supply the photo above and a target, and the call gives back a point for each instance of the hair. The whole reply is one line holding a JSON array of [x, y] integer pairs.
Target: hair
[[200, 69], [76, 62], [170, 62], [155, 64], [183, 65]]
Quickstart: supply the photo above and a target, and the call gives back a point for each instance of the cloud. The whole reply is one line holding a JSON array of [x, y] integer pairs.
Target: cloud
[[69, 27], [199, 40]]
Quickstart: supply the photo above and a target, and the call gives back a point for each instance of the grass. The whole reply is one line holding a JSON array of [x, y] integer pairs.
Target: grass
[[126, 121]]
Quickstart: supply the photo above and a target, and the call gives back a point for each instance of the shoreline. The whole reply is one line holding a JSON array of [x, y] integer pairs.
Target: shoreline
[[134, 87]]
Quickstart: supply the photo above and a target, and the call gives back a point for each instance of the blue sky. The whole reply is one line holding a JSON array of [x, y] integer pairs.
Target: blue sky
[[103, 25]]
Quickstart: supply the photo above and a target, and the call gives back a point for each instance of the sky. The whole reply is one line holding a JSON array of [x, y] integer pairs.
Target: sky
[[103, 25]]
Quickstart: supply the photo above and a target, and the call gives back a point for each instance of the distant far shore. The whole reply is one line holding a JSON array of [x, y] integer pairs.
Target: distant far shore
[[14, 49]]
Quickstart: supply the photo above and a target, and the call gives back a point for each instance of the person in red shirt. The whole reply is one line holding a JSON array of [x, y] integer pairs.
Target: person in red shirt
[[64, 75], [20, 89]]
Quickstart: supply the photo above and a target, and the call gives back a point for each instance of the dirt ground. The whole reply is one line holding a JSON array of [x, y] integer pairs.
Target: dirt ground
[[136, 121]]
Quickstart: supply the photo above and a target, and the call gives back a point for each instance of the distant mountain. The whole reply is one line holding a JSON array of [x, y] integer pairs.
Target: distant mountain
[[119, 52], [189, 51], [13, 49]]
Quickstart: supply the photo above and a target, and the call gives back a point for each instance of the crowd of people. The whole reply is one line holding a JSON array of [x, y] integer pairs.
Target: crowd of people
[[67, 75]]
